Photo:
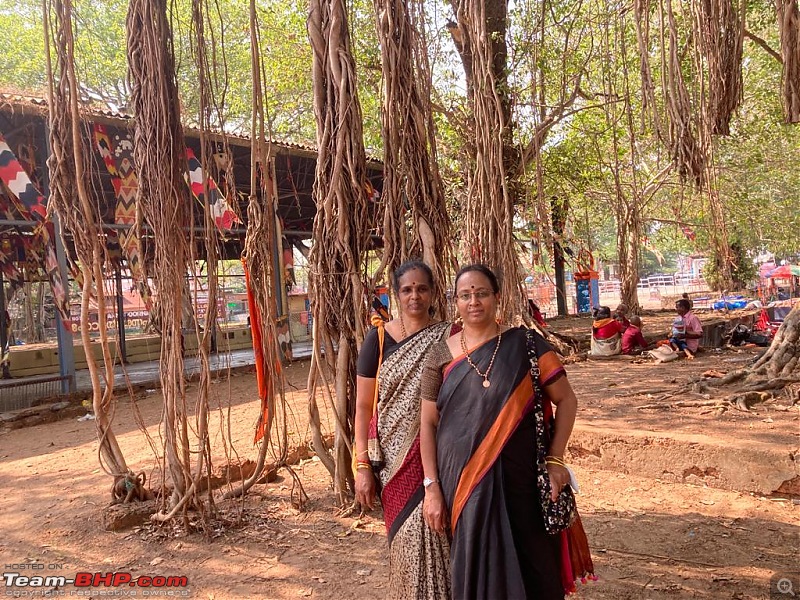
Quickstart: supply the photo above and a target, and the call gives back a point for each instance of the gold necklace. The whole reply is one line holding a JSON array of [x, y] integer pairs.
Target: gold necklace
[[485, 376], [403, 326]]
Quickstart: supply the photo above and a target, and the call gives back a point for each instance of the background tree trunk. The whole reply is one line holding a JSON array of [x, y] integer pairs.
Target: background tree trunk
[[629, 240], [782, 359], [789, 27]]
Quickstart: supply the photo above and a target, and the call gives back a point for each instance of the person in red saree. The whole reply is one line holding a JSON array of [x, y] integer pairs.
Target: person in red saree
[[606, 333], [479, 448], [387, 436]]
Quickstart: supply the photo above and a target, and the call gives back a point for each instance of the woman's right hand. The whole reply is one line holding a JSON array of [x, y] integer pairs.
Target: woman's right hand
[[365, 488], [433, 508]]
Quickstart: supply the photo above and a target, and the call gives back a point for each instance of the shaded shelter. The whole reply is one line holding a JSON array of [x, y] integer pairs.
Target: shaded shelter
[[24, 125]]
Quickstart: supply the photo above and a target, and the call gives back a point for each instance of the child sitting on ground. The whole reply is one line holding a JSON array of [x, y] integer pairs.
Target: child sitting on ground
[[686, 329], [678, 329], [621, 315], [632, 338]]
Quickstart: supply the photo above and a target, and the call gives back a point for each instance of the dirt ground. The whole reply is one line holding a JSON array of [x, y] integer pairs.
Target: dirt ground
[[650, 538]]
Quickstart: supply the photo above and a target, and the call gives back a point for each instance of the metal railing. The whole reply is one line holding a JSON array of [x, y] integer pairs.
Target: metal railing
[[24, 393]]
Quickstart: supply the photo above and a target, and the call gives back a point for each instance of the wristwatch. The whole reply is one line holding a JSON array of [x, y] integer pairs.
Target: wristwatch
[[427, 482]]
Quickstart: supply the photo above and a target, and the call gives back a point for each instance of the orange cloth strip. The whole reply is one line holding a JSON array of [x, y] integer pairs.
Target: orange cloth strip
[[262, 375], [491, 446]]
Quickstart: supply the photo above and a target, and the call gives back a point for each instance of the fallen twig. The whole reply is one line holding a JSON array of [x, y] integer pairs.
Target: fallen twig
[[662, 557], [681, 404]]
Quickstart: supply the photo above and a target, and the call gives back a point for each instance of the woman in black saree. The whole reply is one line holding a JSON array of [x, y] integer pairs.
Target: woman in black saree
[[479, 443]]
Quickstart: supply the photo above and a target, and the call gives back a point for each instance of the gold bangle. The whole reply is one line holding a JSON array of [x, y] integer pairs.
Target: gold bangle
[[363, 466]]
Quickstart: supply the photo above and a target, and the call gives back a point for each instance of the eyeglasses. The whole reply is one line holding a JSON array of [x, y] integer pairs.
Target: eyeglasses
[[480, 295]]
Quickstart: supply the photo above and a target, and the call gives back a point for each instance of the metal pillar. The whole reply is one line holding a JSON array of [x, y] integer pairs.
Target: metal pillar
[[66, 353], [561, 284], [281, 298], [121, 349]]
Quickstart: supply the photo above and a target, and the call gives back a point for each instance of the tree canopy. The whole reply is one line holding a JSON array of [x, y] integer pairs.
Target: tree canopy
[[586, 116]]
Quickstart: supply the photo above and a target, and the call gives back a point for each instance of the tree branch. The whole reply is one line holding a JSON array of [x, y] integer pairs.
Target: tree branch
[[657, 181], [760, 42], [544, 127], [676, 222]]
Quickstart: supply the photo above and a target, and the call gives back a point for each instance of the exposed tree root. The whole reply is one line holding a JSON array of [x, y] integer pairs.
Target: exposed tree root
[[130, 488]]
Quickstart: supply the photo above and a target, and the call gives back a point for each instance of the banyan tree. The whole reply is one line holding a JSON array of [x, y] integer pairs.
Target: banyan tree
[[163, 180], [412, 187], [499, 157], [337, 277]]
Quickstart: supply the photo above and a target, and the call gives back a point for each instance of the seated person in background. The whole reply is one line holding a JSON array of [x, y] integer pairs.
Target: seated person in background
[[606, 333], [686, 329], [621, 315], [633, 339], [535, 313]]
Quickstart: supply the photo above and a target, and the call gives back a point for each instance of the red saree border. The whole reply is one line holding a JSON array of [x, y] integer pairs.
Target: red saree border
[[489, 449], [400, 488]]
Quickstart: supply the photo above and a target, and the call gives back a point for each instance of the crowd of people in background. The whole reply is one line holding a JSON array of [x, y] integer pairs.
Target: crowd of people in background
[[617, 333]]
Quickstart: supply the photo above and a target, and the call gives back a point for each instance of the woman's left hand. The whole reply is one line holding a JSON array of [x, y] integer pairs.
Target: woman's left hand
[[559, 477]]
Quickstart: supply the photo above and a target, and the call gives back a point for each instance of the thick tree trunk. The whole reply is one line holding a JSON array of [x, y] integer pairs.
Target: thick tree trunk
[[29, 328], [629, 232], [783, 357]]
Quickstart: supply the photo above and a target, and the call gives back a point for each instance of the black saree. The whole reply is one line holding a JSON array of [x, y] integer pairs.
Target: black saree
[[486, 449]]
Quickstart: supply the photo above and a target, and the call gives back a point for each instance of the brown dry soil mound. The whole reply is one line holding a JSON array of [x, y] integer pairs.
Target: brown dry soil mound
[[665, 517]]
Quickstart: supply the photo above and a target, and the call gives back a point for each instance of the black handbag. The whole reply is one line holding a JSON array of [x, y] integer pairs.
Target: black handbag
[[558, 515]]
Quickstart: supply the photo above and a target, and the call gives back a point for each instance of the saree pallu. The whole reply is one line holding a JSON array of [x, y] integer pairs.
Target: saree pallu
[[418, 557], [486, 445]]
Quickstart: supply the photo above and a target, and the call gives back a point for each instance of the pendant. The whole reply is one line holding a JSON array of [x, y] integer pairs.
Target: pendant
[[486, 383]]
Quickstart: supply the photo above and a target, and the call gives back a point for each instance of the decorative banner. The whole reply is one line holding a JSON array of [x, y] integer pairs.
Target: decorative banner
[[19, 183], [10, 271], [224, 217], [126, 184], [33, 258], [29, 201]]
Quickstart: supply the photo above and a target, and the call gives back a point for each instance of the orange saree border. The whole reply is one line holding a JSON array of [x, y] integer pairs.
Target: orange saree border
[[491, 446], [549, 366]]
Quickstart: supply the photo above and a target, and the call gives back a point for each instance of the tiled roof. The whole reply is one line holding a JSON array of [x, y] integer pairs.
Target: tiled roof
[[22, 102]]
